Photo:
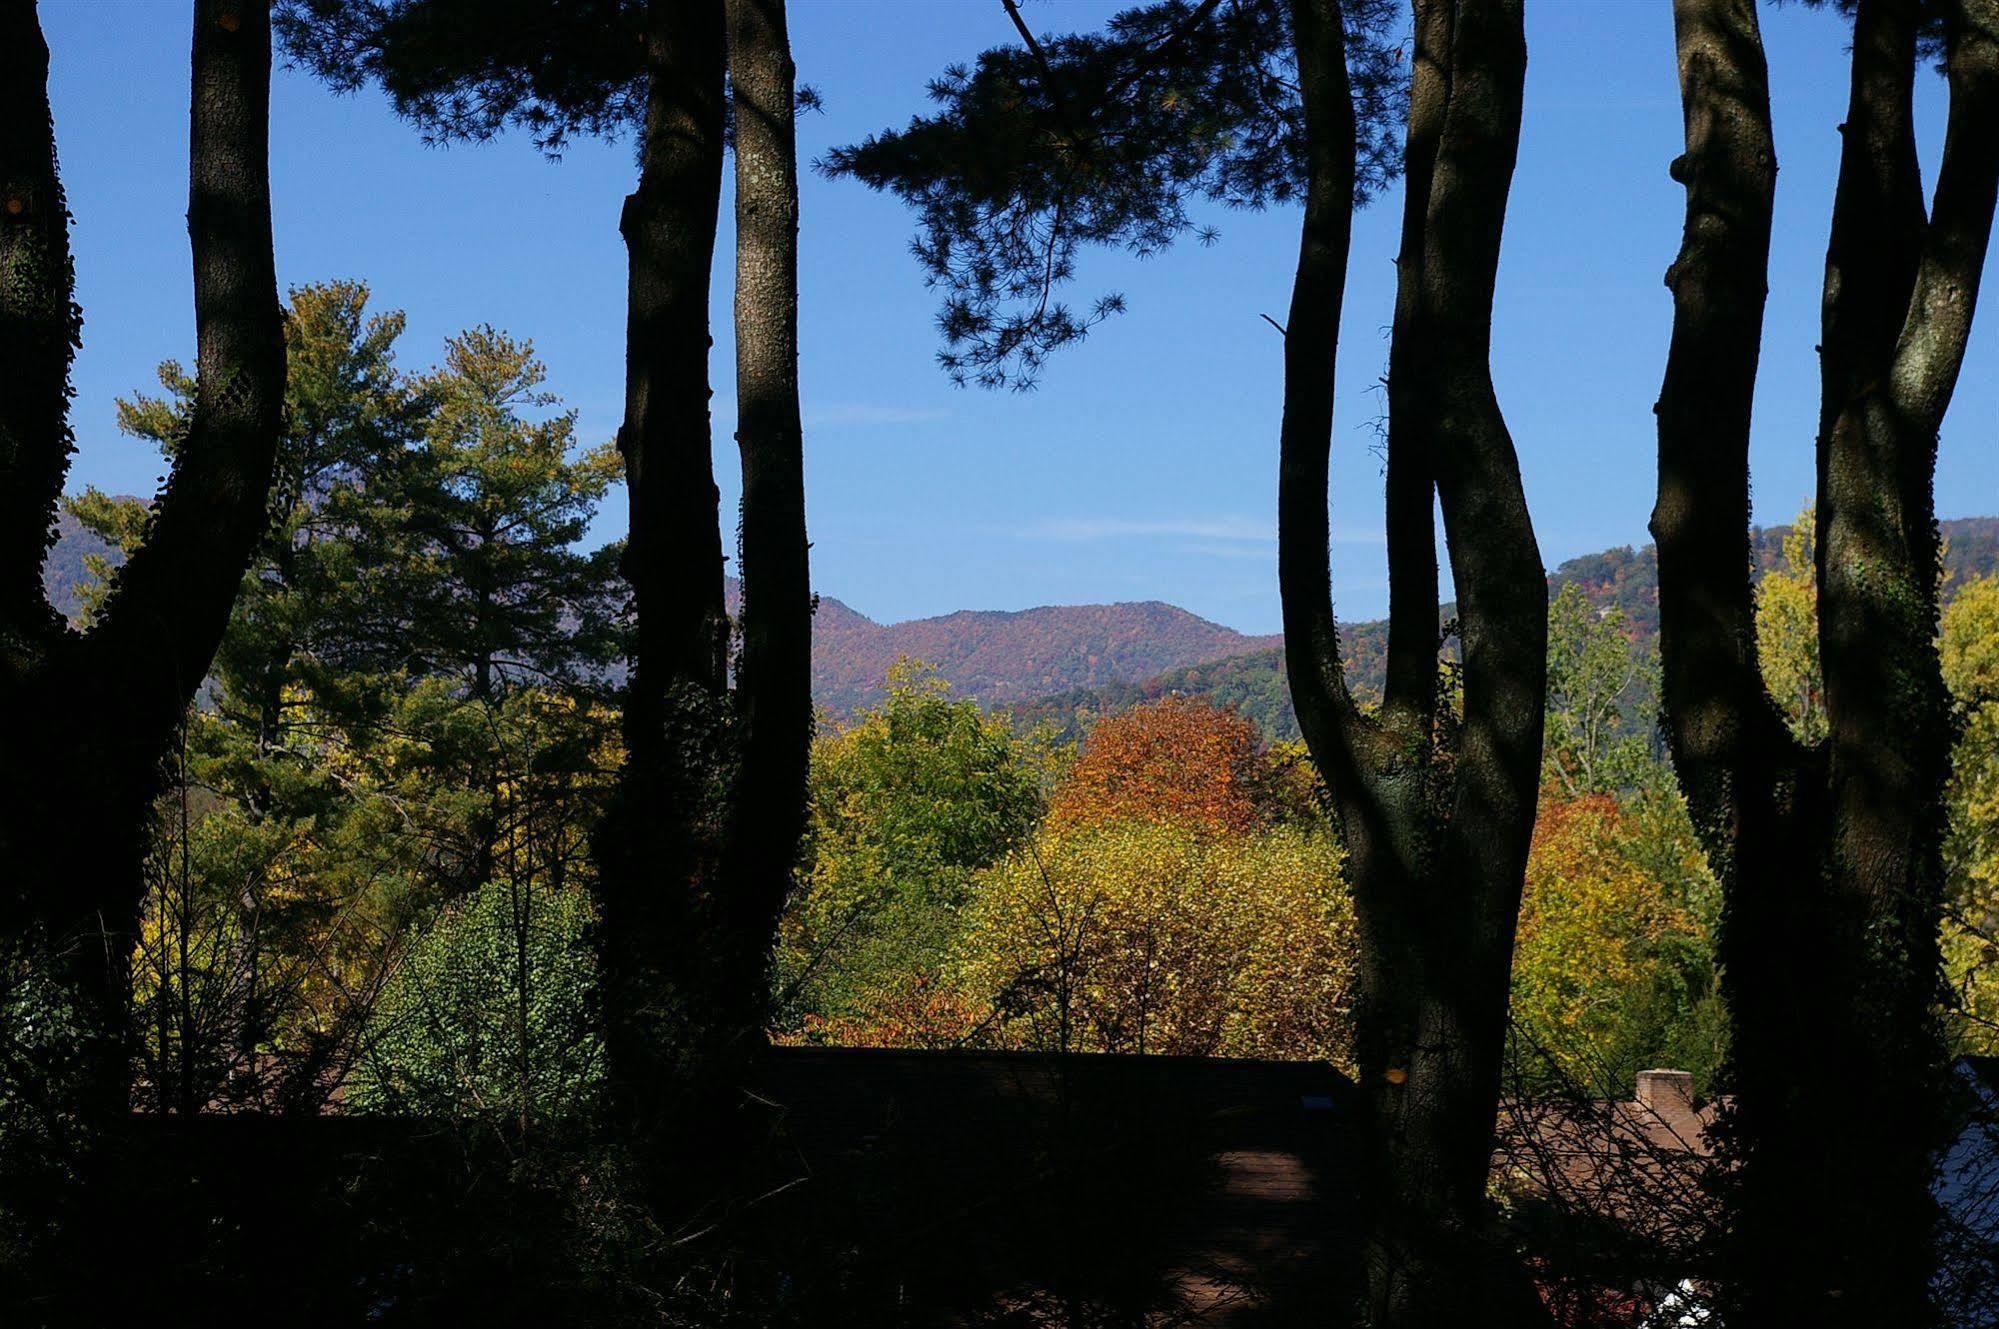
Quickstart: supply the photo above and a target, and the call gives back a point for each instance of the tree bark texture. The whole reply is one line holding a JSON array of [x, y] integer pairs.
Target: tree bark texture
[[87, 718], [699, 851], [659, 846], [1437, 808], [774, 671], [1829, 855]]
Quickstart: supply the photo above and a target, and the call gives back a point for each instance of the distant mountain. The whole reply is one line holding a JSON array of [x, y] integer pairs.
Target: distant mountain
[[1624, 578], [1629, 578], [1253, 684], [1000, 657], [1067, 664], [991, 656], [63, 573]]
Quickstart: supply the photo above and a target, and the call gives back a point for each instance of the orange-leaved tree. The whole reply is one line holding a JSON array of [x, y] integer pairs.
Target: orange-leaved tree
[[1179, 761]]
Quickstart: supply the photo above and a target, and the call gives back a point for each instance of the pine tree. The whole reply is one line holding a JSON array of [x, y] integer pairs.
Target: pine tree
[[697, 855], [485, 575], [370, 742]]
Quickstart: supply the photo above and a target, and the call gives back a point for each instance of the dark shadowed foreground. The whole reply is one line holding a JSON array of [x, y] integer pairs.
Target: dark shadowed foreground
[[897, 1187]]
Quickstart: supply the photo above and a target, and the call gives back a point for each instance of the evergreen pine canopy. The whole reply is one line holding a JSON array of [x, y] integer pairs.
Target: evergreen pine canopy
[[1105, 139]]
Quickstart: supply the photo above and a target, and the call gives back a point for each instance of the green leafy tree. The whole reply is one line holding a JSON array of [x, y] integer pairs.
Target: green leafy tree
[[489, 585], [259, 858], [304, 605], [1614, 969], [486, 589], [118, 521], [489, 1015], [1597, 684], [1787, 632], [401, 710], [1970, 645], [909, 803]]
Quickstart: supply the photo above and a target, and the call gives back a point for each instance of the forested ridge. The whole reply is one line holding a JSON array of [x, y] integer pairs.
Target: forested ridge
[[1624, 578], [1049, 655]]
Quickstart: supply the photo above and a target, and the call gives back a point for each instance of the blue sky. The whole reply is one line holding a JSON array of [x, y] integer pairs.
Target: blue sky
[[1145, 465]]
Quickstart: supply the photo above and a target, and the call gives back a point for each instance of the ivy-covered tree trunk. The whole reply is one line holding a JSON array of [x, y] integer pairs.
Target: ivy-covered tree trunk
[[1829, 854], [86, 718], [1437, 811]]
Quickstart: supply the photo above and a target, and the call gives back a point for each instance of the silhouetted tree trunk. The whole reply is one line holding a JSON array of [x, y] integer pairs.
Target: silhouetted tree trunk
[[697, 854], [87, 718], [1829, 855], [658, 847], [774, 672], [1437, 813]]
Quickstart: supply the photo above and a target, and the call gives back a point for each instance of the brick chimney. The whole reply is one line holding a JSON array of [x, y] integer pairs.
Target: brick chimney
[[1670, 1097]]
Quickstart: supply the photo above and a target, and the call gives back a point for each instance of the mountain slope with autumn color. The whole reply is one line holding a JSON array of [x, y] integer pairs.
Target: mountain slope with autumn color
[[1624, 578], [1067, 664], [1001, 657]]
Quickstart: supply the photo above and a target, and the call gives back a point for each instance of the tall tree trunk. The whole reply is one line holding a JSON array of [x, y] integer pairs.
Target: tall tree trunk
[[774, 677], [697, 857], [86, 720], [659, 845], [1828, 856], [39, 329], [1437, 815]]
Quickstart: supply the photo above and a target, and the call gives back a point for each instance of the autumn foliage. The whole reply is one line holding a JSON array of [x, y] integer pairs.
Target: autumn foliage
[[1177, 761], [1183, 896], [1613, 966], [1152, 938]]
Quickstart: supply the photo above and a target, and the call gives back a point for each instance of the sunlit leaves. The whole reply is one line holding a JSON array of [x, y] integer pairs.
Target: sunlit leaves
[[1596, 679], [1155, 937], [1176, 761], [908, 804], [1787, 633], [1613, 969], [1970, 647], [401, 713]]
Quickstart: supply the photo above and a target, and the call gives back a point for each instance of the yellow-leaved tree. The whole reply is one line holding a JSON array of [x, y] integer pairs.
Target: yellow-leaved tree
[[1787, 641], [1971, 845], [1613, 968], [1147, 937], [1787, 632], [1184, 897]]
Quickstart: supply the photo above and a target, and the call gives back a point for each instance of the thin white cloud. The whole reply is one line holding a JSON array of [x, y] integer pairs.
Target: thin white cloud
[[1110, 528], [1259, 550], [871, 415], [722, 418], [1210, 531]]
